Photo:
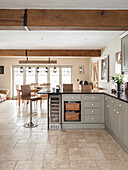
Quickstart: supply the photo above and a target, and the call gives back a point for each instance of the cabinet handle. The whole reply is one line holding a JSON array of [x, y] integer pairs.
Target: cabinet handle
[[92, 118], [92, 111]]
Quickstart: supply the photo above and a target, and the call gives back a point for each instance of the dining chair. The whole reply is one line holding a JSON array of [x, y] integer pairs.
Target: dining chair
[[26, 95], [67, 87], [86, 88]]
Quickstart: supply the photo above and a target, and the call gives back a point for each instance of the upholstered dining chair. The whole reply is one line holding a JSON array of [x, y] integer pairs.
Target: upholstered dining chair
[[26, 95], [86, 88], [67, 87]]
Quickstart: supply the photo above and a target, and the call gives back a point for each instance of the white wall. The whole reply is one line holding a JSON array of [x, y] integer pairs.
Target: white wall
[[5, 80], [112, 48]]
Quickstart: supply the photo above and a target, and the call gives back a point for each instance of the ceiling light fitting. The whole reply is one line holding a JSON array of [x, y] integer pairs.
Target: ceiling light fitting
[[29, 69], [38, 69], [21, 70], [46, 69], [54, 69]]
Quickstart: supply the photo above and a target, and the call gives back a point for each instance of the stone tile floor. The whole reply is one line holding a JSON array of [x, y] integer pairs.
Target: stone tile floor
[[40, 149]]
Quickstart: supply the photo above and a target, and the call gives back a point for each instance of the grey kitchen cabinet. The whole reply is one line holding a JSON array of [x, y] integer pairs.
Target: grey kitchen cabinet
[[93, 108], [107, 112], [116, 118], [124, 54]]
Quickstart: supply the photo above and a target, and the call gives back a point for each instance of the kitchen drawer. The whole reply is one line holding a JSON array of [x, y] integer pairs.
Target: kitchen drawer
[[121, 105], [91, 97], [91, 104], [92, 119], [92, 111], [71, 96]]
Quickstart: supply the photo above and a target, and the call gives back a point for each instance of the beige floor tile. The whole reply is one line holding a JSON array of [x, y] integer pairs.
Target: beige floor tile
[[83, 165], [111, 156], [110, 165], [37, 148], [122, 155], [92, 154], [29, 165], [20, 154], [88, 145], [109, 147], [56, 161], [7, 165]]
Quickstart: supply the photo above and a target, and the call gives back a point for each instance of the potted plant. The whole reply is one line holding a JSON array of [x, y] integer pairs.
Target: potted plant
[[118, 78]]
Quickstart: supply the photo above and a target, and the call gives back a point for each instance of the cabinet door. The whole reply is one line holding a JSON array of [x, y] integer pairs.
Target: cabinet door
[[123, 127], [115, 121], [107, 115], [124, 54]]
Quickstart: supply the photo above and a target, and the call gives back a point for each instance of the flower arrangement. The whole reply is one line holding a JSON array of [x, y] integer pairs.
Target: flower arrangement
[[118, 78]]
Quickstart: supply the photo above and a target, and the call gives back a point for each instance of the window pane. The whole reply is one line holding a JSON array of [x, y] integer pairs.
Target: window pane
[[54, 77], [30, 76], [18, 80], [66, 75], [42, 76]]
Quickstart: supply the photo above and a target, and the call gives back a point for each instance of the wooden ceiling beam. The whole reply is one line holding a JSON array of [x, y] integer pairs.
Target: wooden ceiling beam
[[65, 19], [11, 52], [78, 19], [56, 53], [12, 17]]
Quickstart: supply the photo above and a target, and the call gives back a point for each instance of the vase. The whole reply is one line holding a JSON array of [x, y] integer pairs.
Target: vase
[[118, 87]]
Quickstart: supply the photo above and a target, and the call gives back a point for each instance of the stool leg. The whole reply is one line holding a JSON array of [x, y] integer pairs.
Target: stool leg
[[30, 124]]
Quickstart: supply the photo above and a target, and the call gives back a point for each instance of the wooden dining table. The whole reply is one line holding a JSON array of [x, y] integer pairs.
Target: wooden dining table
[[35, 90]]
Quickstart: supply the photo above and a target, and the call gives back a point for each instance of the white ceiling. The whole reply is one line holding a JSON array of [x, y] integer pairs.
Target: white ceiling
[[56, 39], [65, 4]]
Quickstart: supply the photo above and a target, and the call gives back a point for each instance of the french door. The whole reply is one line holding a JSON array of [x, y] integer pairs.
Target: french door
[[61, 75]]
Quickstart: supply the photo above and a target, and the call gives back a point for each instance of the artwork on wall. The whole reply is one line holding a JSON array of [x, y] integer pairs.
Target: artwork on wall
[[1, 69], [105, 69], [81, 69]]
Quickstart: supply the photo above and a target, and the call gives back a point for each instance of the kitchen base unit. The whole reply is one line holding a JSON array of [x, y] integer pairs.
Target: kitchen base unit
[[80, 111]]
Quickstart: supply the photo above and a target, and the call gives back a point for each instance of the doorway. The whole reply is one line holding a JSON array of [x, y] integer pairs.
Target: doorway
[[95, 74]]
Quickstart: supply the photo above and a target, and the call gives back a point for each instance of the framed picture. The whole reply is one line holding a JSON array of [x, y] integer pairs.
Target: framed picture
[[1, 69], [105, 69], [81, 69]]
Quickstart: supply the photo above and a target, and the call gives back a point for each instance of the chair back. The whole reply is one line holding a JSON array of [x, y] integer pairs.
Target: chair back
[[46, 86], [26, 91], [67, 87], [86, 88], [34, 85]]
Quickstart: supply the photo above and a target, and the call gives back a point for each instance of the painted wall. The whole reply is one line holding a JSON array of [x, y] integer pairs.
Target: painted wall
[[6, 79], [112, 48]]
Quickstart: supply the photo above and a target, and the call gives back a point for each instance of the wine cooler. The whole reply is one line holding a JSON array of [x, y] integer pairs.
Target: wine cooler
[[54, 112]]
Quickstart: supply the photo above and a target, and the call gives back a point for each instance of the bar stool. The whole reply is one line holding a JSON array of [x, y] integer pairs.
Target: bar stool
[[26, 95]]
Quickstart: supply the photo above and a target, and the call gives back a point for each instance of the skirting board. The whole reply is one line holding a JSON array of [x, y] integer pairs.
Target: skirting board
[[83, 126]]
